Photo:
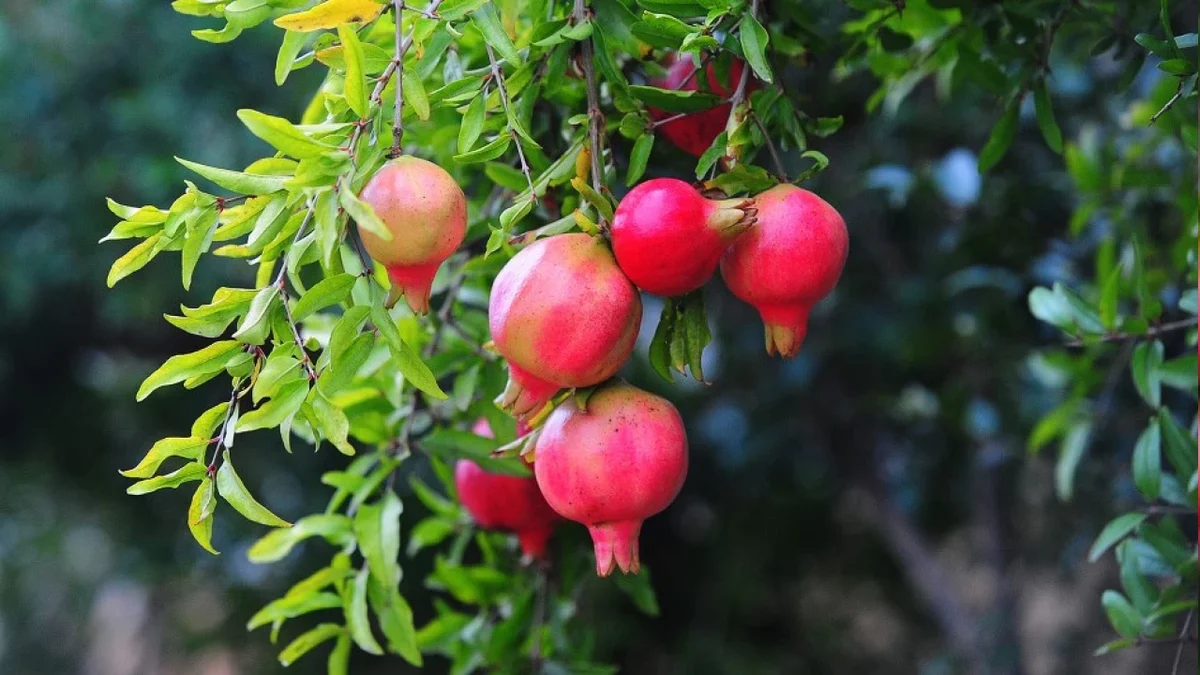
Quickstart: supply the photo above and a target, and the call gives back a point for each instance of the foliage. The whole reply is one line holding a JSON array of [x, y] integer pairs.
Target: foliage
[[525, 104]]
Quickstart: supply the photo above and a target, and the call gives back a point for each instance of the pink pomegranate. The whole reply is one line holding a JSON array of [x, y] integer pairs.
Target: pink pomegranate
[[669, 239], [426, 212], [507, 503], [695, 132], [787, 262], [612, 466], [564, 315]]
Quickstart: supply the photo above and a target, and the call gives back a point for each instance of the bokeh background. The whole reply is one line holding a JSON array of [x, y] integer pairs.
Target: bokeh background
[[866, 508]]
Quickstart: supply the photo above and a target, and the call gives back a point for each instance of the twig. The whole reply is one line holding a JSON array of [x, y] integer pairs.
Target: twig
[[1167, 106], [287, 311], [738, 98], [539, 614], [234, 397], [595, 116], [443, 313], [667, 120], [1187, 622], [775, 159], [398, 59], [503, 92], [1163, 510], [1150, 332]]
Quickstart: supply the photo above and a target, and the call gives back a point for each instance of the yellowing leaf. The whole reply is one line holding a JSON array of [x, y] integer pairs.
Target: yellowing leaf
[[331, 14]]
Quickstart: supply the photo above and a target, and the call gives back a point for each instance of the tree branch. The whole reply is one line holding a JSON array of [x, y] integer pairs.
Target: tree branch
[[516, 139], [1153, 331], [1187, 622], [398, 59], [775, 159], [736, 101], [1167, 106], [595, 116]]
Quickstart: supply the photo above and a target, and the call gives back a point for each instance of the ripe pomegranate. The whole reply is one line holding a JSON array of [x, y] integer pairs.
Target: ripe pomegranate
[[612, 466], [505, 502], [426, 212], [564, 315], [695, 132], [787, 262], [669, 239]]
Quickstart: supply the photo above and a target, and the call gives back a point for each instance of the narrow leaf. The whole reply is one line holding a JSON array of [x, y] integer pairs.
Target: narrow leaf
[[355, 88], [231, 488]]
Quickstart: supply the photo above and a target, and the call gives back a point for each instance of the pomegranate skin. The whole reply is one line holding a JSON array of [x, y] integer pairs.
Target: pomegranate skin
[[695, 132], [787, 262], [564, 315], [668, 238], [612, 466], [509, 503], [426, 212]]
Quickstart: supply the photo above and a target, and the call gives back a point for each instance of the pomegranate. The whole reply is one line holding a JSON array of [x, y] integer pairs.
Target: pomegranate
[[564, 315], [505, 502], [787, 262], [695, 132], [426, 212], [669, 239], [611, 466]]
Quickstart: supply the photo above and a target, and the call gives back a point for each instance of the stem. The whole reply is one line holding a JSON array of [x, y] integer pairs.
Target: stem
[[542, 582], [667, 120], [398, 59], [503, 92], [1187, 622], [1167, 106], [1151, 332], [779, 170], [595, 116], [738, 98], [287, 311]]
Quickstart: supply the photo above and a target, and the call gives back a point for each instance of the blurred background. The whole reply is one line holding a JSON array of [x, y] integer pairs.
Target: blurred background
[[867, 507]]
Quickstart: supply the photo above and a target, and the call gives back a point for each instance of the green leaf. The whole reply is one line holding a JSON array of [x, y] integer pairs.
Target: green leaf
[[1045, 117], [472, 124], [1147, 462], [282, 135], [377, 529], [1177, 67], [638, 158], [407, 361], [415, 96], [712, 154], [1002, 137], [1051, 307], [754, 40], [487, 153], [200, 515], [276, 544], [293, 42], [187, 474], [661, 30], [292, 605], [1114, 646], [355, 88], [208, 421], [306, 642], [256, 324], [1179, 444], [363, 214], [983, 73], [199, 237], [660, 345], [674, 101], [1122, 615], [395, 620], [429, 532], [188, 448], [231, 488], [328, 291], [1145, 364], [1114, 532], [1157, 46], [339, 657], [1180, 373], [282, 405], [136, 258], [357, 619], [453, 10], [1070, 453], [179, 368], [488, 22], [681, 8], [1141, 592], [640, 590], [237, 181], [820, 161]]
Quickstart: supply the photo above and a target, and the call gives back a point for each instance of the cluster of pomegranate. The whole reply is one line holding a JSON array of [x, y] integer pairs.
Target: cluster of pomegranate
[[565, 312]]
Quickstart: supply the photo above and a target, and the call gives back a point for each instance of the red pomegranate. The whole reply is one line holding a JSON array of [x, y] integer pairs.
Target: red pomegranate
[[695, 132], [507, 503], [564, 315], [669, 239], [787, 262], [426, 212], [611, 466]]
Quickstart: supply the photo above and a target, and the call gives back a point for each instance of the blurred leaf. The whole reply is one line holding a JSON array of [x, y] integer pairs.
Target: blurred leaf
[[187, 474], [1123, 617], [307, 641], [1145, 364], [1115, 531], [357, 619], [429, 532], [339, 657], [278, 543], [231, 488], [1141, 592], [1147, 462], [1070, 453], [1179, 444], [377, 529], [1180, 373], [293, 605], [1045, 117], [1002, 137], [395, 620], [640, 590]]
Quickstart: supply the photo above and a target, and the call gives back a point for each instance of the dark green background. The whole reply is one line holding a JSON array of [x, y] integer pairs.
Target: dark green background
[[845, 512]]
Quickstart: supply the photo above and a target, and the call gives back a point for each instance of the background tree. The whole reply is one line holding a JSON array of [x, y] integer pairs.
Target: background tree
[[908, 399]]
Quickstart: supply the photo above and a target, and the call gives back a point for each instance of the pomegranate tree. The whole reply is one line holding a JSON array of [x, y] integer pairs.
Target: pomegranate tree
[[510, 503], [611, 466], [668, 238], [564, 315], [426, 212], [693, 133], [787, 262]]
